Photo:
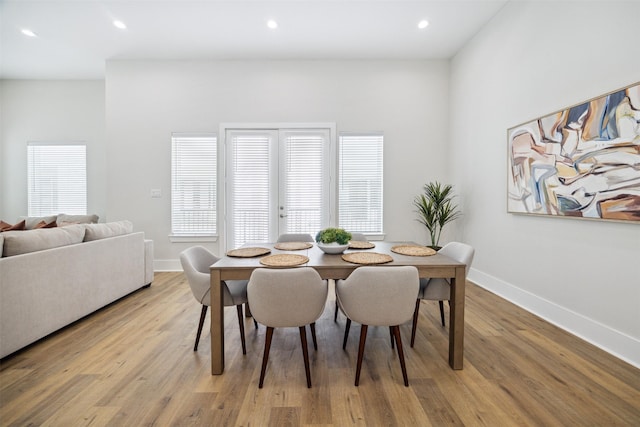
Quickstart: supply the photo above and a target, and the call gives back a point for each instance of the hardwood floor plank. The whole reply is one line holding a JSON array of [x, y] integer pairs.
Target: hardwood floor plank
[[132, 363]]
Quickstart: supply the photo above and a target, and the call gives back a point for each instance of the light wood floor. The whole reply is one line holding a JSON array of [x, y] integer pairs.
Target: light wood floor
[[133, 364]]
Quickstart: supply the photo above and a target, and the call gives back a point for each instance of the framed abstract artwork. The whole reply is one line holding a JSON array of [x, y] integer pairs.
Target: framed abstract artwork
[[583, 161]]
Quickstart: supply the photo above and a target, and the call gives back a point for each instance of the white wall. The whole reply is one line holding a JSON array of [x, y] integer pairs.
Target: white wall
[[148, 100], [535, 58], [59, 111]]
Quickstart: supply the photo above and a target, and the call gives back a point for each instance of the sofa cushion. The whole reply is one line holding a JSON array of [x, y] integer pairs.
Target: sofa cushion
[[109, 229], [22, 242], [8, 227], [1, 244], [64, 219], [32, 221]]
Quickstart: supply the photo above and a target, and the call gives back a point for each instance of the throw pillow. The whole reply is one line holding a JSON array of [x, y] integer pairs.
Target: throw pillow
[[43, 224], [64, 219], [8, 227], [109, 229], [32, 221]]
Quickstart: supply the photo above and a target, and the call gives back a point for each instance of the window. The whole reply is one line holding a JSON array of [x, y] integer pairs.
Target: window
[[277, 182], [57, 179], [360, 182], [193, 185]]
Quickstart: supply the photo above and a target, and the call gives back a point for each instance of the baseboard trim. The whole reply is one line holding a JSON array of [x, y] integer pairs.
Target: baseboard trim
[[167, 265], [602, 336]]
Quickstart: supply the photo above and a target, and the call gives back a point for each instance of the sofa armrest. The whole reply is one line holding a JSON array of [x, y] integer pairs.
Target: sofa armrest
[[148, 261]]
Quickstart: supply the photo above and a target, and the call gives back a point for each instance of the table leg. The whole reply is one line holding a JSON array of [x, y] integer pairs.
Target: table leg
[[217, 324], [456, 319]]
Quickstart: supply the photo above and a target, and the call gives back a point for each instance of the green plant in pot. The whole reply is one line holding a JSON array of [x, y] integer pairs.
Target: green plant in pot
[[436, 209], [333, 240]]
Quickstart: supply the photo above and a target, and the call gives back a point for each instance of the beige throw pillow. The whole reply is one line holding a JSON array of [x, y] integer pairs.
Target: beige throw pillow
[[109, 229], [64, 219]]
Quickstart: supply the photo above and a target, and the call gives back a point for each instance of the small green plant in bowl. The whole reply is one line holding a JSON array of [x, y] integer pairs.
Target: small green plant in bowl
[[331, 235], [333, 240]]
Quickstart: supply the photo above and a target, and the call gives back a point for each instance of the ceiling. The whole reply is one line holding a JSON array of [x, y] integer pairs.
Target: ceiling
[[74, 38]]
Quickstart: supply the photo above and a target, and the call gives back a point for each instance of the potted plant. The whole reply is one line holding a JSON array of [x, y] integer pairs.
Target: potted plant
[[333, 240], [436, 209]]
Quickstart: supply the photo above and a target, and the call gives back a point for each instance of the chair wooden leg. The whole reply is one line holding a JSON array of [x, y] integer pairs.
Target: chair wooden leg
[[391, 336], [241, 324], [312, 326], [415, 322], [203, 314], [441, 312], [396, 332], [265, 357], [346, 333], [247, 313], [363, 339], [305, 354], [335, 313]]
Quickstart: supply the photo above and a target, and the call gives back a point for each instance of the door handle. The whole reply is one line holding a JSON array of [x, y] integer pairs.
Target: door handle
[[283, 216]]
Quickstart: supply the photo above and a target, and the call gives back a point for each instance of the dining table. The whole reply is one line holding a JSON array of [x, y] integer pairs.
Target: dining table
[[335, 267]]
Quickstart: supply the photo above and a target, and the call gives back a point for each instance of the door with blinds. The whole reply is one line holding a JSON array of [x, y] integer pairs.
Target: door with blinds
[[277, 182]]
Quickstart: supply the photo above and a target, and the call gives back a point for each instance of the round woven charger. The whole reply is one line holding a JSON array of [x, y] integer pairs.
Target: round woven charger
[[367, 258], [413, 250], [284, 260], [248, 252], [360, 244], [293, 246]]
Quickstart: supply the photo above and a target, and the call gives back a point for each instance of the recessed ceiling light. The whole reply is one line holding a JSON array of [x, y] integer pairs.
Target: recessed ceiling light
[[119, 24], [423, 24], [28, 32], [272, 24]]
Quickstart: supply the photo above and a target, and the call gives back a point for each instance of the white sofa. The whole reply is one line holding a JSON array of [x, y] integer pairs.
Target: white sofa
[[50, 278]]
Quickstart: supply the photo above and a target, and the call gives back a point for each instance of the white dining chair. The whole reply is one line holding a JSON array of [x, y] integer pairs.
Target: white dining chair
[[195, 263], [379, 296], [295, 237], [438, 289], [291, 297]]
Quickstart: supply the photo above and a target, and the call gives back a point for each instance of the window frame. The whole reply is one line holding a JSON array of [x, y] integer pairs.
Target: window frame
[[371, 234], [32, 178], [204, 236], [223, 145]]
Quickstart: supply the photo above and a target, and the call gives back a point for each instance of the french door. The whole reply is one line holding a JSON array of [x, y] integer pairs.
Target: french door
[[277, 181]]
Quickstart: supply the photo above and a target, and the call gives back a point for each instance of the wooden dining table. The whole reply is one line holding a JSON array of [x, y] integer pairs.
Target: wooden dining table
[[334, 267]]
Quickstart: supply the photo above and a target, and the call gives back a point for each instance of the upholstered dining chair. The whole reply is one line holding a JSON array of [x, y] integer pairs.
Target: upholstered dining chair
[[295, 237], [195, 263], [379, 296], [291, 297], [438, 289]]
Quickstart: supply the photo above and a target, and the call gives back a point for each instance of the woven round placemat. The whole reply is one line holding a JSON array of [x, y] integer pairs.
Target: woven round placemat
[[293, 246], [367, 258], [413, 250], [360, 244], [248, 252], [284, 260]]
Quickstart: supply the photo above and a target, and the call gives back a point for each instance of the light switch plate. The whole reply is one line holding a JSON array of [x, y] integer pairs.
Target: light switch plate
[[156, 193]]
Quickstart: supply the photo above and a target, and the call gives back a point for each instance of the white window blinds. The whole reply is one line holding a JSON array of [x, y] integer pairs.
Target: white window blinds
[[251, 179], [277, 182], [305, 179], [57, 179], [360, 182], [193, 185]]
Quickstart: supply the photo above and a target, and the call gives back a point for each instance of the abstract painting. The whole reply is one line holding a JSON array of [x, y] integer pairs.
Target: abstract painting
[[582, 162]]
